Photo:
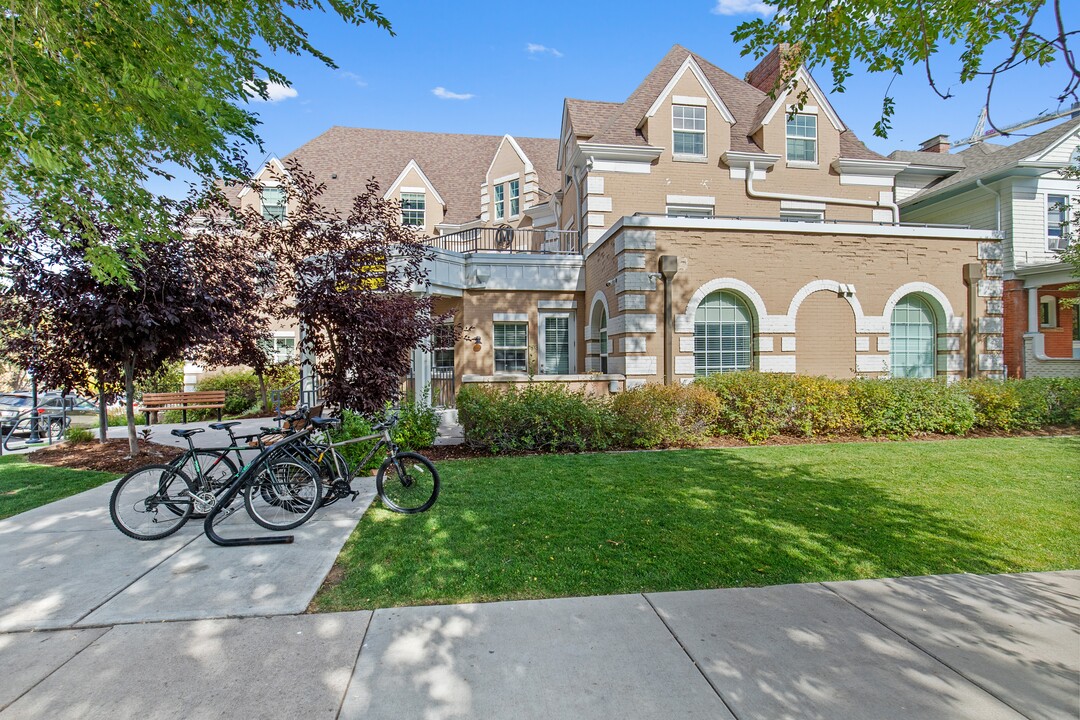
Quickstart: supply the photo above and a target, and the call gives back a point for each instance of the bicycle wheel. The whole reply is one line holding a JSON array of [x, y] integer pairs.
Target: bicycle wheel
[[407, 483], [152, 502], [284, 494]]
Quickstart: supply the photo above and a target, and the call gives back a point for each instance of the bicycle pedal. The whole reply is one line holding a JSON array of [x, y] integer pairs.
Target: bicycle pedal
[[355, 495]]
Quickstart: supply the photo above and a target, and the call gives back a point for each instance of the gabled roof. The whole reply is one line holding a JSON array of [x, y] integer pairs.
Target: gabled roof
[[984, 159], [455, 165], [742, 99], [588, 117]]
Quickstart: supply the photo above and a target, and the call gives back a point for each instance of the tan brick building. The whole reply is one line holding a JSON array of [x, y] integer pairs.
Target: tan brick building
[[699, 226]]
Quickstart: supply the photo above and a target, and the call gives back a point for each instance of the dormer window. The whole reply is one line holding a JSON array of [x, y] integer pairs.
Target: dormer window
[[515, 198], [273, 203], [500, 201], [688, 131], [412, 209], [802, 138]]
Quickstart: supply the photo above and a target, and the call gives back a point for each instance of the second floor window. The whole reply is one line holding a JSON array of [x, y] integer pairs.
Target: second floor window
[[1057, 222], [500, 202], [688, 130], [515, 198], [802, 138], [412, 209], [273, 203]]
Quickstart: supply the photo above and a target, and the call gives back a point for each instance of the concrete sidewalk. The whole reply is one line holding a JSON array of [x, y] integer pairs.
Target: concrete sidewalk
[[958, 646]]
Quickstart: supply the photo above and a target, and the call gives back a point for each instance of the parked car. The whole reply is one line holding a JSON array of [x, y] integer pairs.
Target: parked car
[[16, 406]]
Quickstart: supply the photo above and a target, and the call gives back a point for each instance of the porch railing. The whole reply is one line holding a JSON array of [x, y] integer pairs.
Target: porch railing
[[510, 240]]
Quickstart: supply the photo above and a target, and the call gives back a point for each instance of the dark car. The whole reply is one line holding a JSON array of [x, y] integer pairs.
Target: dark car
[[16, 407]]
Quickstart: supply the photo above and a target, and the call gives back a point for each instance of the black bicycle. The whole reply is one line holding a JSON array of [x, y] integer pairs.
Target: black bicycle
[[280, 491], [407, 482]]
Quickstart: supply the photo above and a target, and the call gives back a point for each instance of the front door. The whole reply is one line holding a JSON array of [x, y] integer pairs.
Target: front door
[[557, 347]]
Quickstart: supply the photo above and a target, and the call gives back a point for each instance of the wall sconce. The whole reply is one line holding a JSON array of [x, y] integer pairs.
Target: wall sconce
[[477, 344]]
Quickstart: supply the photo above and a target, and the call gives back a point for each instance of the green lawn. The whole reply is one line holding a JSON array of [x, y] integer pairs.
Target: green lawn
[[550, 526], [24, 485]]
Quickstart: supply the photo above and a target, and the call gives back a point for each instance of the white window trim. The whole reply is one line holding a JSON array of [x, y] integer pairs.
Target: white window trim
[[690, 157], [495, 348], [815, 216], [510, 198], [495, 213], [1051, 316], [273, 186], [401, 202], [571, 330], [689, 210], [1070, 201], [817, 141]]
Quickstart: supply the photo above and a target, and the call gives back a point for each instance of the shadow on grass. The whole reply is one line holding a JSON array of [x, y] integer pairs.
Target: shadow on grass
[[634, 522]]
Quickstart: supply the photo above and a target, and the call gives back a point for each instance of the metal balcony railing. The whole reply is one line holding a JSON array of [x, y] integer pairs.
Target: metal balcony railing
[[510, 240]]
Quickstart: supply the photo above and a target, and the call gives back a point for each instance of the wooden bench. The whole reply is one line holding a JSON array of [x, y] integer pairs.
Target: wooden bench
[[153, 403]]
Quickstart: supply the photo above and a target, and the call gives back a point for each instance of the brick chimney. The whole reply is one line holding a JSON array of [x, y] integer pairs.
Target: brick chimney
[[936, 144], [764, 76]]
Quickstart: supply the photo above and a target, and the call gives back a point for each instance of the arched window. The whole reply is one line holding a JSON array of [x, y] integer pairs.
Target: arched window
[[722, 331], [913, 339], [601, 335]]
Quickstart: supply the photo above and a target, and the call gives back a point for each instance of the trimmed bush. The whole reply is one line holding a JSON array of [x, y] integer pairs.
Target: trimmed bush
[[665, 415], [753, 406], [546, 417], [78, 435], [418, 426], [902, 407]]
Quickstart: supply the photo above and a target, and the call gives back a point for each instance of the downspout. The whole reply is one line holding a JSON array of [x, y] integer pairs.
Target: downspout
[[669, 265], [816, 198]]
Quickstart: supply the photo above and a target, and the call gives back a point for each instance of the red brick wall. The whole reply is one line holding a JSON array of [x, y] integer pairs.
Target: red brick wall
[[1015, 301], [1058, 340]]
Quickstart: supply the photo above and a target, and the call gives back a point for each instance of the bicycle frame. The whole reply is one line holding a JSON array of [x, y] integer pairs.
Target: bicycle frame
[[243, 476], [384, 440]]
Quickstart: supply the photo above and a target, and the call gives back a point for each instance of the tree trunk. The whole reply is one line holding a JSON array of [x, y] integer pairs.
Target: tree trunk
[[103, 412], [129, 405], [262, 392]]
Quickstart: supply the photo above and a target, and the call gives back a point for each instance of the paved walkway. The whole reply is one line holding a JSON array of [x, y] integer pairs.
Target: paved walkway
[[958, 646], [65, 564]]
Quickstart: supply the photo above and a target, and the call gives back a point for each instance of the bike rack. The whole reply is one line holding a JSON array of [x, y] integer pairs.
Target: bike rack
[[234, 489]]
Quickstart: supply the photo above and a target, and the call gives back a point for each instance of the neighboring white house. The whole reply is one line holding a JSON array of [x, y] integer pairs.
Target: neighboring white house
[[1020, 191]]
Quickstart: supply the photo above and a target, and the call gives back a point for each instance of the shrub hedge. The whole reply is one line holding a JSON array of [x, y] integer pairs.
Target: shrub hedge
[[549, 417]]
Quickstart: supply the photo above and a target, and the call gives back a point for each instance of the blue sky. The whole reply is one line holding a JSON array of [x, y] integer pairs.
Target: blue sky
[[511, 64]]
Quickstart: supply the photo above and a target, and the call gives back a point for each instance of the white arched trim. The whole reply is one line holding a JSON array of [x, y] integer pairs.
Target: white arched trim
[[685, 322], [949, 323], [592, 333], [845, 291]]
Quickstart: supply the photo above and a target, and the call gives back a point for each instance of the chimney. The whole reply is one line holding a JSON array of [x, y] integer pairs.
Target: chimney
[[765, 75], [936, 144]]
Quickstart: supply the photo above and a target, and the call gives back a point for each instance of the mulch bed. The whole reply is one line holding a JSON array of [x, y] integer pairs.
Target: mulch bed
[[464, 452], [112, 456]]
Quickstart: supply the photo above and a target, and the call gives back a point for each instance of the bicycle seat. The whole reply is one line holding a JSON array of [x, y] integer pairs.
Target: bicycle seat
[[187, 433], [325, 422], [223, 425]]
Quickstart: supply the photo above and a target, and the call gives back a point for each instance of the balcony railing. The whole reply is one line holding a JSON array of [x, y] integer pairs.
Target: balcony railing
[[511, 240]]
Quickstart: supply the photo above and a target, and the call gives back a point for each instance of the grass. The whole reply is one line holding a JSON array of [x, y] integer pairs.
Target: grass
[[24, 485], [552, 526]]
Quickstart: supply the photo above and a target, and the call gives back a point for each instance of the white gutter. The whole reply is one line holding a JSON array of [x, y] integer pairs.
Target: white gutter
[[997, 202], [816, 198]]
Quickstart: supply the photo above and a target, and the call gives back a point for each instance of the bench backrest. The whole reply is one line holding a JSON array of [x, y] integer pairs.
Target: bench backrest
[[200, 396]]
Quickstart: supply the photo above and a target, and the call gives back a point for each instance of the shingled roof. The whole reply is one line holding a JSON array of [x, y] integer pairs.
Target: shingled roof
[[743, 100], [983, 159], [455, 164], [589, 117]]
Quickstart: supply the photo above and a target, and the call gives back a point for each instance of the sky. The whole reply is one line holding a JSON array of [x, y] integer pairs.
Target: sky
[[496, 68]]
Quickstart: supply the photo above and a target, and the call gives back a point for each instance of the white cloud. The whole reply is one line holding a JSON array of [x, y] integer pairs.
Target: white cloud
[[275, 92], [742, 7], [537, 49], [443, 93], [357, 80]]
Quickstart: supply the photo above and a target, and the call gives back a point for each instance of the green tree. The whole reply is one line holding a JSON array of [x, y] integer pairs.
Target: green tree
[[99, 95], [892, 36]]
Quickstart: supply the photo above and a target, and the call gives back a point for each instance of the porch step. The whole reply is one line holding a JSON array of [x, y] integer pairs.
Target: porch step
[[450, 431]]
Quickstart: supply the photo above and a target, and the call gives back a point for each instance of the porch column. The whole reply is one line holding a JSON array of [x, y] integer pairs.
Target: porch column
[[1033, 310], [421, 368]]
